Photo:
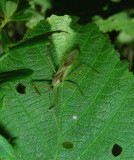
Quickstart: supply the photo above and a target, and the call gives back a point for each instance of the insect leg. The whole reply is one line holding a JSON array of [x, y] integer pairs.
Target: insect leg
[[36, 90], [35, 86], [72, 76], [88, 65], [69, 77], [80, 92], [50, 61], [56, 98]]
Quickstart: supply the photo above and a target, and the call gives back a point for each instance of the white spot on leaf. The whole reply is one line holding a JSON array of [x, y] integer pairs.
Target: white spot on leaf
[[74, 117]]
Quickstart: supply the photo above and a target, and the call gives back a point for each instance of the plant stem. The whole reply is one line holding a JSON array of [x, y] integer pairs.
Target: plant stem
[[4, 22]]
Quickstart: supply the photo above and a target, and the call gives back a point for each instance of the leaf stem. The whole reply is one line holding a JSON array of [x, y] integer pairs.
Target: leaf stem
[[4, 22]]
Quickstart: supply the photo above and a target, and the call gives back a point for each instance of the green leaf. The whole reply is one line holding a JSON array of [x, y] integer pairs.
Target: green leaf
[[119, 22], [3, 5], [15, 75], [22, 7], [20, 14], [3, 55], [23, 17], [11, 7], [115, 1], [39, 40], [38, 15], [1, 20], [2, 95], [5, 40], [82, 128], [124, 38], [6, 150]]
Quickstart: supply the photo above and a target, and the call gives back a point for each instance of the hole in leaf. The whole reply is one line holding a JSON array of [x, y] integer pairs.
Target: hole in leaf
[[67, 145], [116, 150], [20, 88]]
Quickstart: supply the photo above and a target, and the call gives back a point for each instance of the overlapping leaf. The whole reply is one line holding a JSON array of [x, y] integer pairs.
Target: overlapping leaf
[[6, 150]]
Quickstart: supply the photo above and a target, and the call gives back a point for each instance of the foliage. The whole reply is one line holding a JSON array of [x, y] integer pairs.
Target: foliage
[[94, 114], [38, 10], [121, 21], [12, 12]]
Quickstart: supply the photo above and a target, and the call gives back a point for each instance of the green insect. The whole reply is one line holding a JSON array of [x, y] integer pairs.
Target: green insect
[[61, 73]]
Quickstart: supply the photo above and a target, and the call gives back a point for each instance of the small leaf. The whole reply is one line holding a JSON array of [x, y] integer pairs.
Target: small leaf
[[23, 17], [11, 7], [120, 22], [20, 14], [6, 150], [15, 75], [38, 15], [22, 7], [125, 38]]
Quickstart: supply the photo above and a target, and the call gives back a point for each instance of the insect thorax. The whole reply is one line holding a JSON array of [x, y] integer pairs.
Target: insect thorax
[[56, 81]]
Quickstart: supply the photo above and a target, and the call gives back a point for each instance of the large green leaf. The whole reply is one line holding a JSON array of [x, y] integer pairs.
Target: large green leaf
[[6, 150], [82, 128]]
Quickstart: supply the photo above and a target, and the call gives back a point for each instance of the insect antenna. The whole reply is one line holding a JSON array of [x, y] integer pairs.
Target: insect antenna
[[35, 86], [88, 65]]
